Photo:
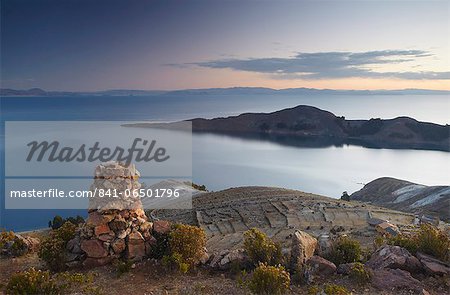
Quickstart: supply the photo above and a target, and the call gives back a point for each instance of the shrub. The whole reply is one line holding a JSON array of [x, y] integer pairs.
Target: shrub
[[332, 289], [42, 282], [345, 250], [405, 241], [359, 273], [188, 241], [53, 249], [123, 266], [433, 241], [6, 237], [429, 240], [32, 282], [261, 249], [268, 279], [11, 244], [19, 247], [175, 262], [58, 221], [329, 289]]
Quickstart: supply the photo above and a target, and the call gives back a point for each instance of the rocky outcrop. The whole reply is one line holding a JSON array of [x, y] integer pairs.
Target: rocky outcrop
[[406, 196], [395, 279], [433, 266], [394, 257], [303, 247]]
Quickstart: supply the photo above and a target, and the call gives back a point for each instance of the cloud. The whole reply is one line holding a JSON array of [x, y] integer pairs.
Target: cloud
[[330, 65]]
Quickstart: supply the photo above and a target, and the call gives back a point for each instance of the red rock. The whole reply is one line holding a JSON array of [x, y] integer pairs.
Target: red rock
[[321, 266], [161, 226], [106, 237], [118, 224], [118, 246], [432, 265], [394, 257], [95, 262], [101, 229], [135, 235], [390, 279], [95, 218], [135, 249], [94, 248]]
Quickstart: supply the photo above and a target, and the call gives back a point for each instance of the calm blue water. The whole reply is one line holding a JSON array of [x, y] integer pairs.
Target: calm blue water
[[222, 161]]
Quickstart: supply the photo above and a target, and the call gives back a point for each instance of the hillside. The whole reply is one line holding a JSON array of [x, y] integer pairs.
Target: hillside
[[406, 196], [225, 215], [307, 125]]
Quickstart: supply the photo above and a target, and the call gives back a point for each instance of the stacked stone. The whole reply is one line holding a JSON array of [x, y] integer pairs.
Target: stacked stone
[[115, 227]]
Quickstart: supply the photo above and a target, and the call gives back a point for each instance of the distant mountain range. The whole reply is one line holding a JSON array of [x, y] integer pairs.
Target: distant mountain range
[[406, 196], [311, 126], [222, 91]]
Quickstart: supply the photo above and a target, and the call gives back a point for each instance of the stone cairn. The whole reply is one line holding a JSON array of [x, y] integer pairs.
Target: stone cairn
[[116, 227]]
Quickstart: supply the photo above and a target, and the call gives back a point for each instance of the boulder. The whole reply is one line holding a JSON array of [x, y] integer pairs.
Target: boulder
[[118, 224], [95, 218], [135, 250], [118, 246], [161, 226], [94, 248], [320, 266], [101, 229], [392, 279], [224, 259], [136, 246], [303, 248], [394, 257], [73, 245], [432, 265]]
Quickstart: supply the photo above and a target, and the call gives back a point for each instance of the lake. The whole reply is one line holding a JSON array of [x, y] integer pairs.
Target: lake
[[221, 161]]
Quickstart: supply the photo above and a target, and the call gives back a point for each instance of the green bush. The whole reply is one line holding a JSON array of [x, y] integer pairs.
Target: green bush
[[429, 240], [19, 247], [13, 245], [261, 249], [332, 289], [6, 237], [267, 279], [360, 274], [345, 250], [123, 266], [188, 241], [42, 282], [433, 241], [53, 249], [329, 289], [175, 262], [58, 221], [32, 282]]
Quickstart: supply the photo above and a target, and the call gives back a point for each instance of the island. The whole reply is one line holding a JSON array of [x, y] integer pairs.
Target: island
[[310, 126]]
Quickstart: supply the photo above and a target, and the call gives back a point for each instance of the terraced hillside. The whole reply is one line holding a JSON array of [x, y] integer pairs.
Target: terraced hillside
[[226, 214]]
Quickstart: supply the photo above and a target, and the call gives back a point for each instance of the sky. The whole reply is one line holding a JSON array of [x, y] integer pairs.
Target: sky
[[85, 45]]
